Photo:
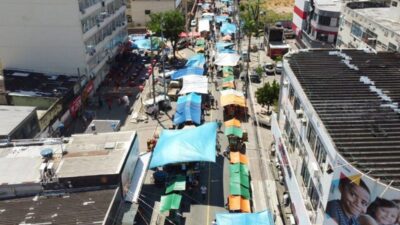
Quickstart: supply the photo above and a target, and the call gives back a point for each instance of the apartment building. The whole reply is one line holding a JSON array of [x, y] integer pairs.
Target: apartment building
[[317, 22], [374, 25], [337, 134], [138, 11], [71, 37]]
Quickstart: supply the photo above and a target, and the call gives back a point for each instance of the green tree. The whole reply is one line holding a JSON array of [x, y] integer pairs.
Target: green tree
[[168, 24], [268, 94]]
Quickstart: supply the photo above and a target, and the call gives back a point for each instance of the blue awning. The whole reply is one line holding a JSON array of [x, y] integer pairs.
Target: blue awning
[[260, 218], [197, 60], [228, 28], [189, 145], [187, 71], [188, 109]]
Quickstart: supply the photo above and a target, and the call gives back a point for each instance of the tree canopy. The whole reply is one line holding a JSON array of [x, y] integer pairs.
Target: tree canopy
[[170, 24], [268, 94]]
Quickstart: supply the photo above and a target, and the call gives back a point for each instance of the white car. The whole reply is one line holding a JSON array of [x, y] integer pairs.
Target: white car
[[193, 23], [278, 68]]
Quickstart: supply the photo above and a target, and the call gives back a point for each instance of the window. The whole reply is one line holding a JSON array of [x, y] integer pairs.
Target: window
[[356, 29], [296, 104], [369, 37], [311, 136], [324, 20], [320, 153], [313, 194], [392, 47], [305, 174]]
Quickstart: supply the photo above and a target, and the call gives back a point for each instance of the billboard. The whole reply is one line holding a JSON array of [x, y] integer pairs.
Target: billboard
[[356, 199]]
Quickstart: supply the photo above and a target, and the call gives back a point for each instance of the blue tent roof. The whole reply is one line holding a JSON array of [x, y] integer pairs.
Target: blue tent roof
[[260, 218], [223, 45], [197, 60], [188, 109], [220, 19], [187, 71], [188, 145], [228, 28], [145, 44]]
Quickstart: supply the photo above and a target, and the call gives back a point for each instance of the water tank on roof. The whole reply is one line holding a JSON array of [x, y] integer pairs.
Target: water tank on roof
[[47, 153]]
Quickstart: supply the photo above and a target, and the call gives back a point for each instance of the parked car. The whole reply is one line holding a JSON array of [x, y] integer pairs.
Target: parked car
[[254, 78], [269, 68], [193, 23], [278, 68]]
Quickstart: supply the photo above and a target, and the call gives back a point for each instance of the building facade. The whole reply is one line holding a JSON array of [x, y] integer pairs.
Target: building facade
[[75, 37], [373, 25], [138, 11], [335, 134], [316, 21]]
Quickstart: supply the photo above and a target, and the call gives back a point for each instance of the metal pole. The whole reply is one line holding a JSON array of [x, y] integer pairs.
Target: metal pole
[[152, 73], [163, 59]]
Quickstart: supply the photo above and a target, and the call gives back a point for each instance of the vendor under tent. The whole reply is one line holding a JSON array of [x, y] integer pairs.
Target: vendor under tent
[[177, 184], [234, 131], [232, 92], [237, 203], [228, 85], [191, 145], [228, 28], [259, 218], [168, 202], [197, 71], [188, 109], [233, 100], [197, 60], [233, 122], [237, 157], [197, 84], [227, 59]]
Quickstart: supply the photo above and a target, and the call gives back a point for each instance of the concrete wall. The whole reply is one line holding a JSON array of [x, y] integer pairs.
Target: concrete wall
[[42, 103], [41, 35], [137, 8]]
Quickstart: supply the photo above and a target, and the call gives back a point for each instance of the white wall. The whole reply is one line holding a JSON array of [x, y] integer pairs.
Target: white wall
[[41, 35], [139, 6]]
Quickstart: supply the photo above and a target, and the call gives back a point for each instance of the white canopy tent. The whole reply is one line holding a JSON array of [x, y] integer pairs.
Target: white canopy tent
[[197, 84], [204, 25], [227, 59], [232, 92]]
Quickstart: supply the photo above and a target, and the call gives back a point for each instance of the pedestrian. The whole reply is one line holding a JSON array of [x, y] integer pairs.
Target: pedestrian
[[203, 190], [219, 123], [125, 100], [216, 104], [214, 222]]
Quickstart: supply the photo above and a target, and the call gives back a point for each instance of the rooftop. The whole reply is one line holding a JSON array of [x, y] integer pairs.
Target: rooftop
[[12, 116], [37, 84], [103, 126], [328, 5], [21, 164], [95, 154], [356, 95], [384, 16], [72, 208]]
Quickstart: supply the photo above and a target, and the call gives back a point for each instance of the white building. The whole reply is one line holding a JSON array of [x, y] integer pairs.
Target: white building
[[71, 37], [370, 24], [337, 130], [316, 21], [138, 11]]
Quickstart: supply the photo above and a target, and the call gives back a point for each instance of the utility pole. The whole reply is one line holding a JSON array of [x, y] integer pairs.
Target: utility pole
[[163, 59], [152, 64]]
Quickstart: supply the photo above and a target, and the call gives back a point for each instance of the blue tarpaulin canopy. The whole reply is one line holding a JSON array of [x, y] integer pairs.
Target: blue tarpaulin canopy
[[228, 28], [260, 218], [187, 71], [189, 145], [197, 60], [145, 44], [188, 109], [223, 45], [220, 19]]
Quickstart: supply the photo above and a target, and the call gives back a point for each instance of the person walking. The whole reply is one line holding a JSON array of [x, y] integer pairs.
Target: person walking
[[203, 190], [214, 222]]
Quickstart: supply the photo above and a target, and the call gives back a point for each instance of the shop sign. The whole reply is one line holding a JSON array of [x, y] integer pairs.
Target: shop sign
[[75, 106]]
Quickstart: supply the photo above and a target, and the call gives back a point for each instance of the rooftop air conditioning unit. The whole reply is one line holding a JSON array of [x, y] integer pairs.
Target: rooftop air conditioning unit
[[299, 113]]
